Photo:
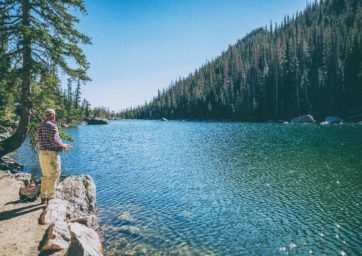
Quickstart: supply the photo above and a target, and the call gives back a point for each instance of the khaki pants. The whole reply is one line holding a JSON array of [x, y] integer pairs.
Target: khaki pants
[[50, 166]]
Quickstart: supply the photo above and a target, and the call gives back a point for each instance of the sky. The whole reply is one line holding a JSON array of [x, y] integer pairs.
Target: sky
[[140, 46]]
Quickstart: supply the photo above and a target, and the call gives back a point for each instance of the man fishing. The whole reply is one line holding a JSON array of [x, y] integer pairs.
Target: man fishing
[[50, 145]]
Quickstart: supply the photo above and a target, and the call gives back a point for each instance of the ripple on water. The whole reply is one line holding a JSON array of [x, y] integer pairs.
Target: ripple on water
[[209, 188]]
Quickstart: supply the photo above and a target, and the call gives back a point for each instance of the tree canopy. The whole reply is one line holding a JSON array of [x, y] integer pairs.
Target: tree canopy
[[38, 40]]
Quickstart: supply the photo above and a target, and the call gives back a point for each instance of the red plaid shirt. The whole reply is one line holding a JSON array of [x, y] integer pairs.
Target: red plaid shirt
[[48, 137]]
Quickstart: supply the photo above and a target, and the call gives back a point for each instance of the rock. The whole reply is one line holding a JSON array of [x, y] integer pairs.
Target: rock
[[332, 120], [131, 230], [7, 163], [85, 241], [306, 119], [4, 135], [80, 192], [5, 174], [96, 121], [57, 236], [21, 176], [126, 216], [90, 221], [56, 210], [5, 132], [164, 119]]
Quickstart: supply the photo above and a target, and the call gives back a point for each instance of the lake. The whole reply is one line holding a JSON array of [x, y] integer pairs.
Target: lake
[[219, 188]]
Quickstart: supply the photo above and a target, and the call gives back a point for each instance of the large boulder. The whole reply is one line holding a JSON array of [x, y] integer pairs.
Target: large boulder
[[332, 120], [55, 210], [80, 192], [73, 217], [306, 119], [57, 237], [85, 241]]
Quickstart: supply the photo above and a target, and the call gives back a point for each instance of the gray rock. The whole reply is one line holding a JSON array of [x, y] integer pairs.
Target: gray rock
[[126, 216], [56, 210], [80, 192], [85, 241], [306, 119], [5, 132], [75, 203], [90, 221], [57, 236], [4, 135], [5, 174], [21, 176], [332, 120], [7, 163], [97, 121]]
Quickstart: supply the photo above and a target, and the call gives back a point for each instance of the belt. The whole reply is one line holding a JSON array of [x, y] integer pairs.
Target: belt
[[48, 150]]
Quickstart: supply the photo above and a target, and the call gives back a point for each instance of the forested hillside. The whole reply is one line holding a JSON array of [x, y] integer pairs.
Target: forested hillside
[[309, 64]]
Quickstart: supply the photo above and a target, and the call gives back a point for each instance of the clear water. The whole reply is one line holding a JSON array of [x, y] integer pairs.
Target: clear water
[[210, 188]]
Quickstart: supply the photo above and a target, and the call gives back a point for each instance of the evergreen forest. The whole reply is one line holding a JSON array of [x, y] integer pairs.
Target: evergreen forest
[[311, 63]]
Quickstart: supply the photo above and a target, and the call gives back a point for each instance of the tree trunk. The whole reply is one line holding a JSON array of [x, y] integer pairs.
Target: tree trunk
[[14, 141]]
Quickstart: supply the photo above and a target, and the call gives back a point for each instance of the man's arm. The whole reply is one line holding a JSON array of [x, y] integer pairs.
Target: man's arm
[[56, 141]]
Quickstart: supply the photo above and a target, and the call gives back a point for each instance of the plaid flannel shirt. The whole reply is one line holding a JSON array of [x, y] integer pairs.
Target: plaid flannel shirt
[[48, 137]]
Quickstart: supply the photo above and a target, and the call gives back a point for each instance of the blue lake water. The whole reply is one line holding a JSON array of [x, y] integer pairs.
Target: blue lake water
[[214, 188]]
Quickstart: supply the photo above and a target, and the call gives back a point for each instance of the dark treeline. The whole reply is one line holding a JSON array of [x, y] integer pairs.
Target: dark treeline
[[309, 64]]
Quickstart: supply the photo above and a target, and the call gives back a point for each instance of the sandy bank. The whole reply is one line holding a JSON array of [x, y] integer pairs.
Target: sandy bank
[[20, 231], [68, 225]]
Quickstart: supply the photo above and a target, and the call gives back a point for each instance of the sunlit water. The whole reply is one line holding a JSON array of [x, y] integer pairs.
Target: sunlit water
[[210, 188]]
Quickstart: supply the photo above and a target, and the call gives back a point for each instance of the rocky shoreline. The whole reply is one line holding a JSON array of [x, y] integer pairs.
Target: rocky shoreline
[[73, 227]]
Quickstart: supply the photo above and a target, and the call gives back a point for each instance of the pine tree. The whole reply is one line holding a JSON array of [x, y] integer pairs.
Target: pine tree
[[41, 35]]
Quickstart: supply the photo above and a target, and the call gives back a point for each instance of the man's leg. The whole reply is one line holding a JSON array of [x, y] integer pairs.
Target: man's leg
[[44, 160], [54, 173]]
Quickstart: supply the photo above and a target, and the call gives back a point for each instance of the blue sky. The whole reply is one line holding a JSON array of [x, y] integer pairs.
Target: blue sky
[[142, 45]]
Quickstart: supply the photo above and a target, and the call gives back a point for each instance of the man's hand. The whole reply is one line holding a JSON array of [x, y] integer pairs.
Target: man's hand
[[66, 147]]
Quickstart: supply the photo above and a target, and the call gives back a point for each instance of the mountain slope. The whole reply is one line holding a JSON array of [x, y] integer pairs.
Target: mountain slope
[[310, 64]]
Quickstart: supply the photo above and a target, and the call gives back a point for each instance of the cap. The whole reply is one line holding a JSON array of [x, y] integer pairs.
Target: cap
[[49, 112]]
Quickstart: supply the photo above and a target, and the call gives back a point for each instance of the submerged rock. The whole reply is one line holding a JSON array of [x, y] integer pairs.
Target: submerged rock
[[132, 230], [306, 119], [126, 216]]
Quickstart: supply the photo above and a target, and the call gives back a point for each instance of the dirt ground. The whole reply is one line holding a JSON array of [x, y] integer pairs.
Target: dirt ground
[[20, 232]]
